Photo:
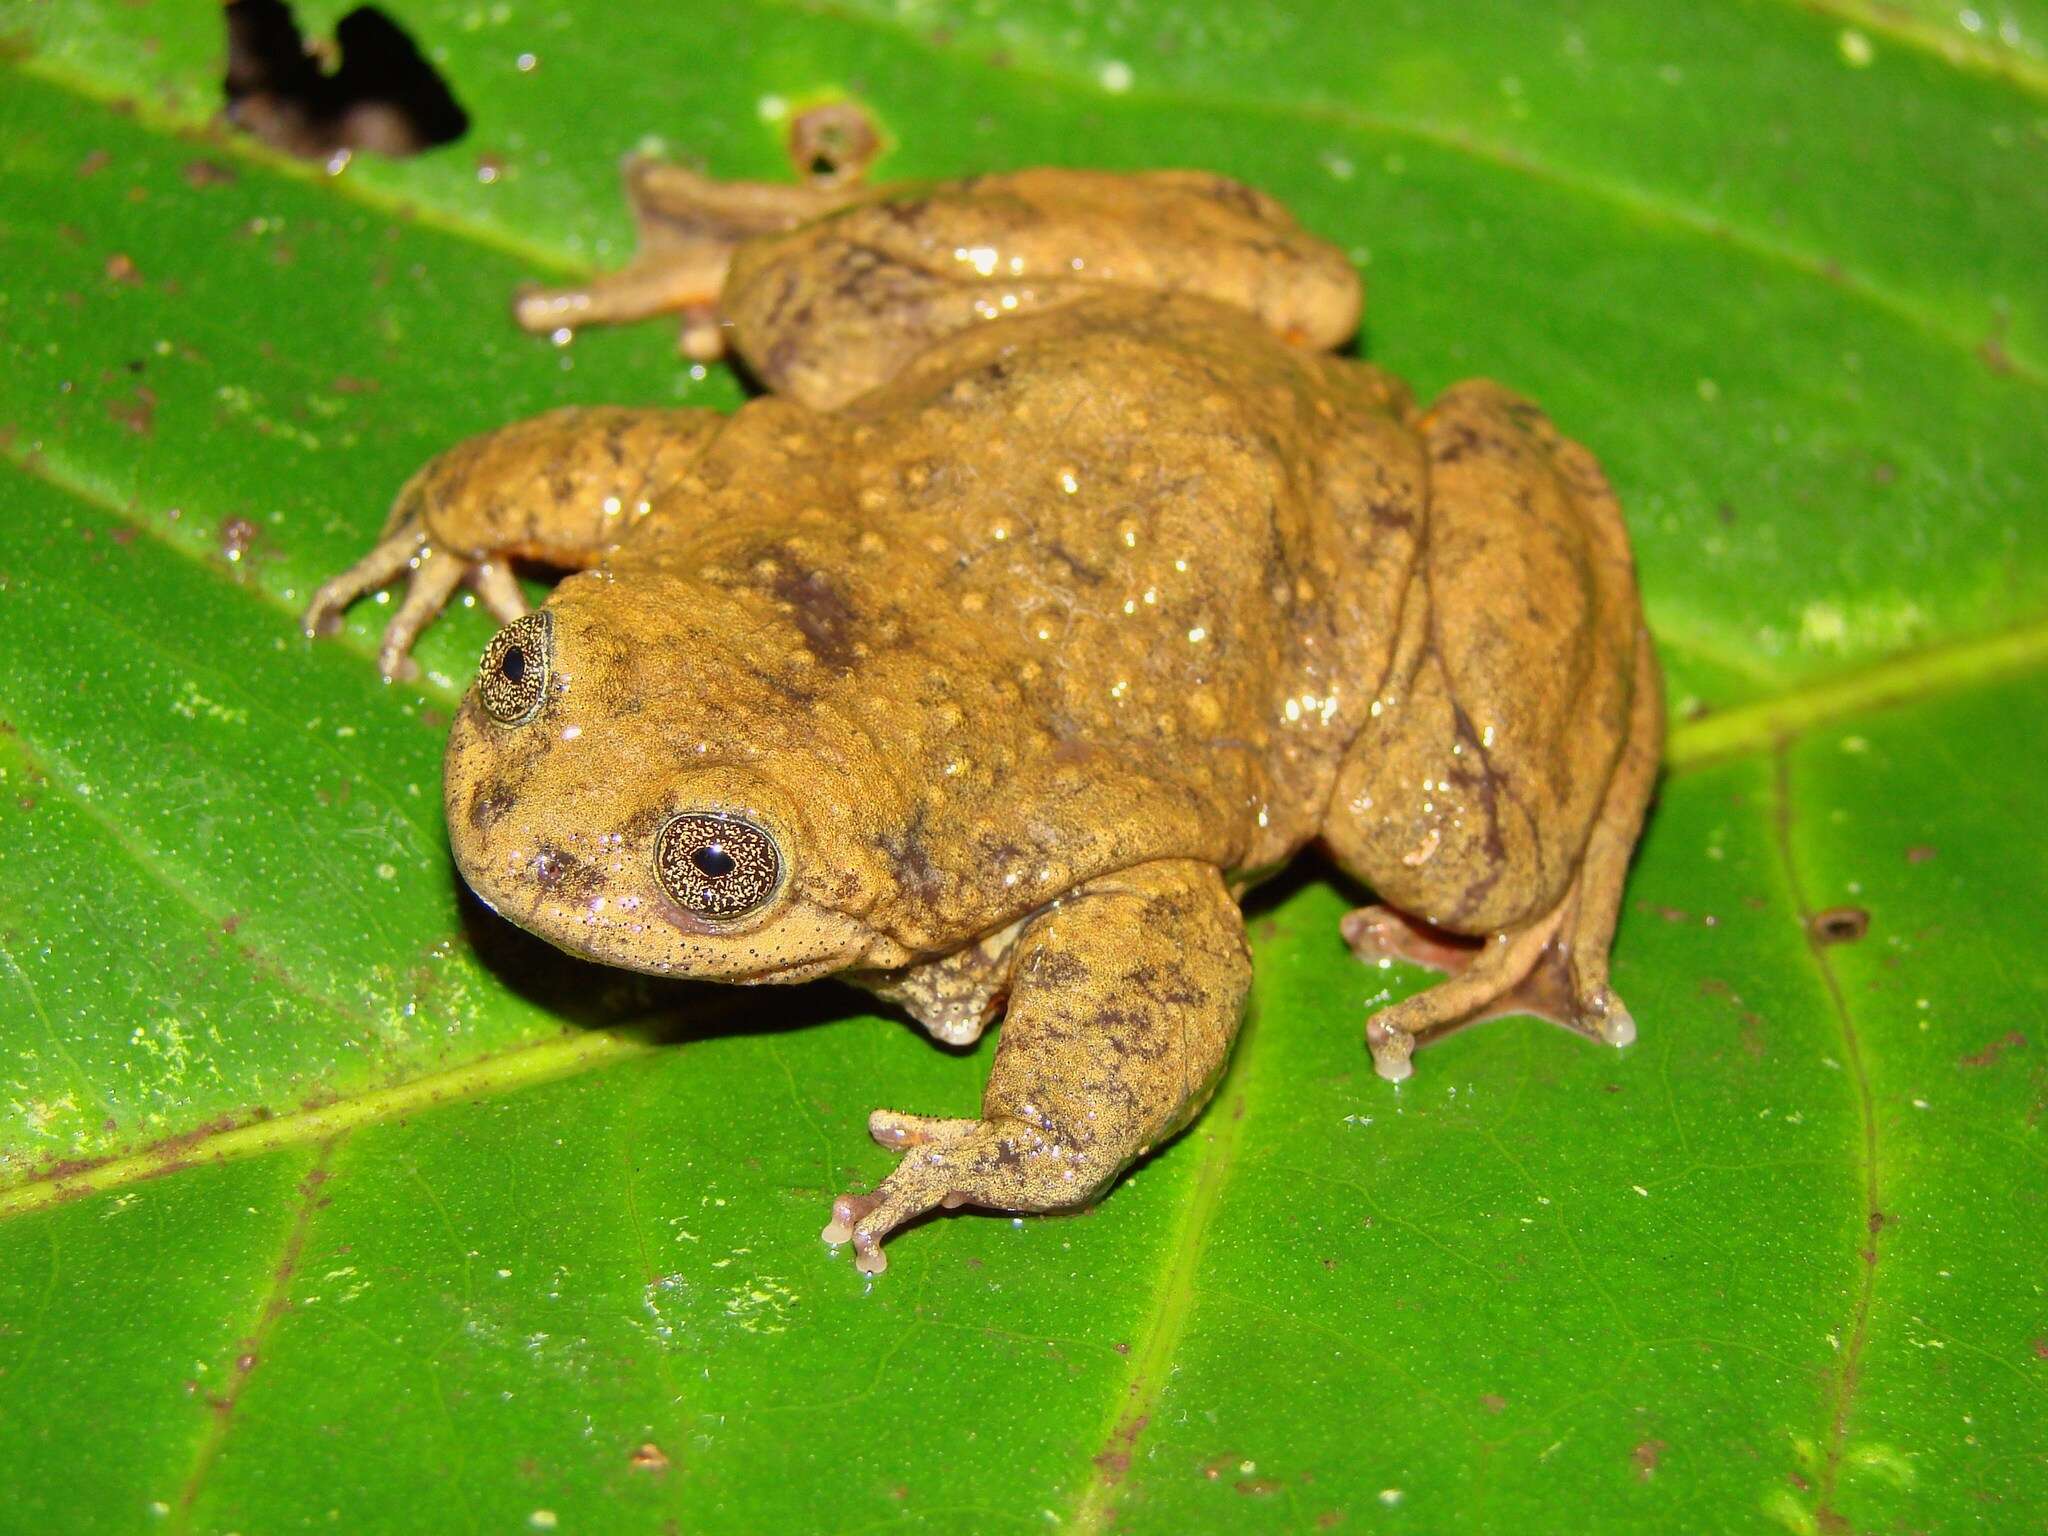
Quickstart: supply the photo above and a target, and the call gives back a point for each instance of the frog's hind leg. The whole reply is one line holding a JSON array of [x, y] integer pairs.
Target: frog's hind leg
[[1589, 933], [840, 306], [1554, 968], [689, 226], [1497, 786], [1483, 979]]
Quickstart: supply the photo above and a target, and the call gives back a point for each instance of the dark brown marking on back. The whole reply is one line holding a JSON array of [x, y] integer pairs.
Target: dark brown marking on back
[[823, 616]]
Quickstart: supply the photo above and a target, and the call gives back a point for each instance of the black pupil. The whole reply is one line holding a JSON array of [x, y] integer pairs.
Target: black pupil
[[712, 861], [513, 664]]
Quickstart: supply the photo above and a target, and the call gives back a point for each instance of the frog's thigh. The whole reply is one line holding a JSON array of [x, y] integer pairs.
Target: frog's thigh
[[841, 305], [1123, 1005], [1500, 786], [1468, 797]]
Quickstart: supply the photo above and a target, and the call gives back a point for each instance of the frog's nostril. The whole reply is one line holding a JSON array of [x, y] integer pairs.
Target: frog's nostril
[[551, 867]]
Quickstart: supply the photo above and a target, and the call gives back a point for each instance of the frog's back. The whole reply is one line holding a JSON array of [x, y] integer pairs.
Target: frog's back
[[1096, 575]]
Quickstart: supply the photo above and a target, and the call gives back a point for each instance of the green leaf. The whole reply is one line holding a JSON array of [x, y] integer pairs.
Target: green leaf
[[329, 1200]]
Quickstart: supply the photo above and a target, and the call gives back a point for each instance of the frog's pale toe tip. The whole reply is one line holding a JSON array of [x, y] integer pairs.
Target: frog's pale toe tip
[[1392, 1051], [400, 668], [868, 1257], [1618, 1028], [847, 1212], [1608, 1017]]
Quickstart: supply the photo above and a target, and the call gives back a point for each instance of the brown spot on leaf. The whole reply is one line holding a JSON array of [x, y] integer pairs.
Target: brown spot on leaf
[[1646, 1456], [2011, 1040], [122, 269], [1839, 925], [236, 535], [201, 174], [649, 1458], [138, 412], [1920, 853], [1114, 1459]]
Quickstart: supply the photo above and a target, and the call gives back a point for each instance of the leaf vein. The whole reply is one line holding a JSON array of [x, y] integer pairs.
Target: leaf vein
[[1857, 1333], [271, 1308]]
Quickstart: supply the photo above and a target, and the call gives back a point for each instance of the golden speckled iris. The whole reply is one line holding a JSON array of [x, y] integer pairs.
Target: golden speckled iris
[[715, 865], [512, 679]]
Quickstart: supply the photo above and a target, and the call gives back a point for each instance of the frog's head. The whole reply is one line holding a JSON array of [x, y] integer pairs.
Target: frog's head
[[628, 779]]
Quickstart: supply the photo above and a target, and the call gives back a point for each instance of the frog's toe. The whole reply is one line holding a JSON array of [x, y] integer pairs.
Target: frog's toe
[[494, 584], [390, 556], [1002, 1164], [1597, 1011], [894, 1129], [1379, 935], [434, 577], [864, 1220], [1393, 1051], [847, 1212]]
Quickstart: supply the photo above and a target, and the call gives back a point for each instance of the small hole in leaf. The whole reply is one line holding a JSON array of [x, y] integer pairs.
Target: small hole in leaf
[[370, 89], [1840, 925], [833, 145]]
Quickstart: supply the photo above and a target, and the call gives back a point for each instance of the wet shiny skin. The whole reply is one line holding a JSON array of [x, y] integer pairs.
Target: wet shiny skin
[[1063, 583]]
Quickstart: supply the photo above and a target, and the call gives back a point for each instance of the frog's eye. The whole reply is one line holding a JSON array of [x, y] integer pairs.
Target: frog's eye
[[716, 865], [513, 677]]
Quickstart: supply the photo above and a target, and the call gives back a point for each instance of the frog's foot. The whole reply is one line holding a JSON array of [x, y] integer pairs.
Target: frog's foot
[[1529, 971], [435, 573], [689, 225], [1005, 1165]]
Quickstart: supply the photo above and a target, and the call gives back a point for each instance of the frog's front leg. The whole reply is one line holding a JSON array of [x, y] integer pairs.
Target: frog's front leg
[[561, 489], [1123, 1003]]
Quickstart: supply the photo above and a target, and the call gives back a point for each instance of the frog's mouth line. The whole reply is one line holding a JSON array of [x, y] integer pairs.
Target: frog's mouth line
[[787, 942]]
